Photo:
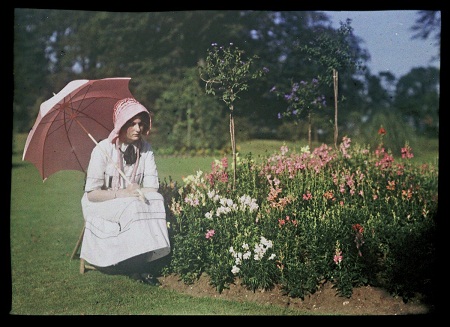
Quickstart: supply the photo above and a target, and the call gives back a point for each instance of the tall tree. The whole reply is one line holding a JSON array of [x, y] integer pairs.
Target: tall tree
[[186, 116], [428, 25], [32, 64], [417, 98]]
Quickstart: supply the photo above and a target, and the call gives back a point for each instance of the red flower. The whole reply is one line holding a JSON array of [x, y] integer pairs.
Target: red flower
[[382, 131], [358, 228]]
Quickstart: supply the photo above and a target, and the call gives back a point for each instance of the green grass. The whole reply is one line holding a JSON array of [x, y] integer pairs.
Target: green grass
[[46, 220]]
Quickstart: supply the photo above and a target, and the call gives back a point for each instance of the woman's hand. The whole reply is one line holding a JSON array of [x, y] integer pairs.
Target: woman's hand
[[132, 190]]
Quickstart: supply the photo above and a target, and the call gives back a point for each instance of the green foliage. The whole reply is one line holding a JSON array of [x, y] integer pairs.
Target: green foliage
[[302, 98], [352, 216], [227, 71], [332, 51], [397, 132], [417, 100], [185, 117], [156, 49]]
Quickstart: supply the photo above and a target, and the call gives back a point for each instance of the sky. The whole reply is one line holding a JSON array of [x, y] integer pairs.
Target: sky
[[387, 37]]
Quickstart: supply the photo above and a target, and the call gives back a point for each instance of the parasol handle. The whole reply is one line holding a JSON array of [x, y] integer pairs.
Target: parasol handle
[[141, 194]]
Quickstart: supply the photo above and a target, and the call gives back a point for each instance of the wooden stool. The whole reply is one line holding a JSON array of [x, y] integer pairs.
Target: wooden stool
[[83, 264]]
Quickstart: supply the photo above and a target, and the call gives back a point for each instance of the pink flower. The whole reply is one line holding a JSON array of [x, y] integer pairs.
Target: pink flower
[[338, 257], [210, 233], [407, 152], [307, 196]]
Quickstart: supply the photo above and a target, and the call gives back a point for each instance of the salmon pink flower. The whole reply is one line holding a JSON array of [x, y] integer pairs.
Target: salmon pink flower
[[210, 233]]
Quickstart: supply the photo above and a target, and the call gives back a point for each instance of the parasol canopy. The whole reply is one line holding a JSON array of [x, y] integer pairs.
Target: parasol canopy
[[72, 122]]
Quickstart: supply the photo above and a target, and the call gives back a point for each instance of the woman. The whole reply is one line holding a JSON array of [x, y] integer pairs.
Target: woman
[[123, 211]]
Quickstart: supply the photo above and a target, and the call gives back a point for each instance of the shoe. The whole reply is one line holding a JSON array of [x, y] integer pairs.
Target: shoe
[[145, 278], [150, 280]]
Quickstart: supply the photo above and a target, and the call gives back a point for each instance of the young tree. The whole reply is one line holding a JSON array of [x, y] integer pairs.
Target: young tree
[[334, 53], [228, 73], [302, 99]]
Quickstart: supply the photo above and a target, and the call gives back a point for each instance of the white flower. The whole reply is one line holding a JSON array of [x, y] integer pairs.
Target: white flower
[[211, 194], [305, 149]]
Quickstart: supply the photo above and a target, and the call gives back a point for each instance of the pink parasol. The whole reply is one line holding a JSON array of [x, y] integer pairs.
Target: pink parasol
[[72, 122]]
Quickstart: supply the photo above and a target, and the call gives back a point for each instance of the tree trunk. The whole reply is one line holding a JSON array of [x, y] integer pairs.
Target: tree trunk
[[233, 145], [335, 82], [189, 128], [309, 129]]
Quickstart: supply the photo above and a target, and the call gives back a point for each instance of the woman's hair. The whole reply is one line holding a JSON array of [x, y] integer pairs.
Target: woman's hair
[[146, 121]]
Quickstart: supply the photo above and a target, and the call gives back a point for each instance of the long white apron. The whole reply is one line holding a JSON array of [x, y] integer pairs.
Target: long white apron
[[122, 228]]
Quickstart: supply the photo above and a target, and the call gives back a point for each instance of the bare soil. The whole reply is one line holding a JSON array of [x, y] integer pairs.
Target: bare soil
[[365, 300]]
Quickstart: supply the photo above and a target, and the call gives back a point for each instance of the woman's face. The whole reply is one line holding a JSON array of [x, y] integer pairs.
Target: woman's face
[[133, 130]]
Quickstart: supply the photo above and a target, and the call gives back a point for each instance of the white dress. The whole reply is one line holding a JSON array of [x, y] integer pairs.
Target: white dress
[[122, 228]]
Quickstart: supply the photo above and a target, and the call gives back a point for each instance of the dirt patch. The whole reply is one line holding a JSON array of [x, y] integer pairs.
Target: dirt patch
[[365, 300]]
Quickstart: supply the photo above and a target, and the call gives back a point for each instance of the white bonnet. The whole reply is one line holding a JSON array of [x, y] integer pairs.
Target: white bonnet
[[124, 110]]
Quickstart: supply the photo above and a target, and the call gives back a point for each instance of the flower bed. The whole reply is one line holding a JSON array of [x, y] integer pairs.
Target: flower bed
[[349, 216]]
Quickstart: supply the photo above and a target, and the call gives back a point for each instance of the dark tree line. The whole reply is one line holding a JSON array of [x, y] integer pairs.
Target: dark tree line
[[161, 50]]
